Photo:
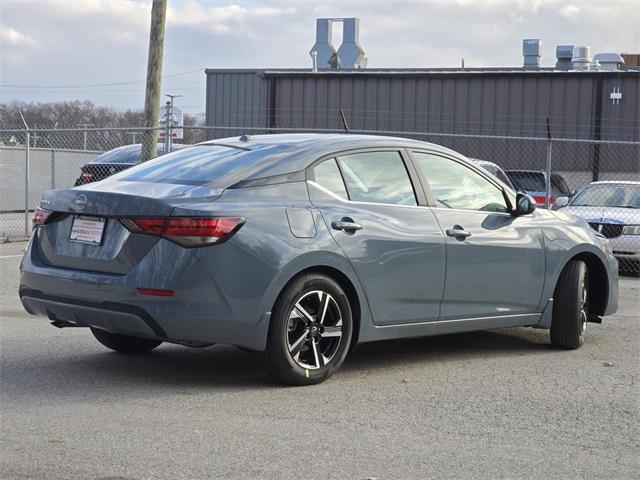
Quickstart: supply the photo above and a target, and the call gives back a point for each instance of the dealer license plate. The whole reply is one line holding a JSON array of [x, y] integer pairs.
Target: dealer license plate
[[87, 230]]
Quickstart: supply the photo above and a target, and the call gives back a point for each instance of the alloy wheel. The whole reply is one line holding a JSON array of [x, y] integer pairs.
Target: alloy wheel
[[584, 316], [314, 330]]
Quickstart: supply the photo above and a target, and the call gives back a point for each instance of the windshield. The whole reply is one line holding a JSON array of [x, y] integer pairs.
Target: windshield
[[611, 195], [530, 181]]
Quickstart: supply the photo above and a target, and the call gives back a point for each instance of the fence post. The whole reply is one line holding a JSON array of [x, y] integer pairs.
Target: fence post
[[53, 169], [27, 143], [547, 193]]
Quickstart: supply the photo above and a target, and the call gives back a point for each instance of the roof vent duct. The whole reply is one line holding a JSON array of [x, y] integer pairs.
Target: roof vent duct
[[349, 55], [609, 61], [323, 52], [564, 54], [531, 48], [581, 58]]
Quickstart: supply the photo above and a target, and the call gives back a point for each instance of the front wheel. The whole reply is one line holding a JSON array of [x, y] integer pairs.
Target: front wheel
[[310, 331], [124, 343], [570, 306]]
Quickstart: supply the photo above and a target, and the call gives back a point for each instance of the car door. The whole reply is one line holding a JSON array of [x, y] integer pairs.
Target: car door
[[395, 245], [495, 261]]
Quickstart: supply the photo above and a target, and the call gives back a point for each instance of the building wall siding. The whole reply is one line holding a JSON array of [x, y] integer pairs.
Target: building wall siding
[[476, 103]]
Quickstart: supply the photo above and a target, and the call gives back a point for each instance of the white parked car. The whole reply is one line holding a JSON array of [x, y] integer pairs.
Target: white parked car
[[613, 209]]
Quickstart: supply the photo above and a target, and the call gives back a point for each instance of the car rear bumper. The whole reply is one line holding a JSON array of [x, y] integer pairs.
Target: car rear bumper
[[202, 310]]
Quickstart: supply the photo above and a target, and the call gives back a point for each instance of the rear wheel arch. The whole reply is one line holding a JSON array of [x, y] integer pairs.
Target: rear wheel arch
[[598, 281], [345, 283]]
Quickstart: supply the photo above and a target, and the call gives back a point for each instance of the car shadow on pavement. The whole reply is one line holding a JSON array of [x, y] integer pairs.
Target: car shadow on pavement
[[487, 343], [86, 372]]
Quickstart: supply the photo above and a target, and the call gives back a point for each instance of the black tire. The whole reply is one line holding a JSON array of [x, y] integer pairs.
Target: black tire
[[295, 352], [570, 306], [124, 343]]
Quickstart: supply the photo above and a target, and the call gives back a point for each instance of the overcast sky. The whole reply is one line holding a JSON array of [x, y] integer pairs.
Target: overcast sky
[[59, 50]]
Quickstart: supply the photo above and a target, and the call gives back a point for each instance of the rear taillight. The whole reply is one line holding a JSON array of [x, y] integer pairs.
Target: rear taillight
[[540, 199], [40, 217], [187, 231], [86, 176]]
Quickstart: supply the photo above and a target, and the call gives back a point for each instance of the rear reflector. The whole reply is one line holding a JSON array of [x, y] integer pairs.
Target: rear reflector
[[158, 292], [187, 231], [40, 217]]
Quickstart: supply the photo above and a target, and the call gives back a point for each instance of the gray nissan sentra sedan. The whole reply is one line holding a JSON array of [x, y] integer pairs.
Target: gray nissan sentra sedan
[[302, 246]]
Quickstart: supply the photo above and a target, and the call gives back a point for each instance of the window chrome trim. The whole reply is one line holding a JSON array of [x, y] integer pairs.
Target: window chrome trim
[[356, 202], [484, 212]]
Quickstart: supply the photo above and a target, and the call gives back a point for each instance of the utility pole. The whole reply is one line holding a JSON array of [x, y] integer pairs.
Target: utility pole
[[154, 76]]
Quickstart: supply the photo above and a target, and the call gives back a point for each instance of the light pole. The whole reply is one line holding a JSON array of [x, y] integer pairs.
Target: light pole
[[168, 134]]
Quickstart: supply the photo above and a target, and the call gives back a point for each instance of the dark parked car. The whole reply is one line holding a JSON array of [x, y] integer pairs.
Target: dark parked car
[[534, 183], [303, 246], [114, 161], [494, 170]]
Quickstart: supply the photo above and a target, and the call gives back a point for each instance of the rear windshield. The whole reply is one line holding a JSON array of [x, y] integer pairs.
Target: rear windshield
[[128, 154], [217, 165], [531, 181]]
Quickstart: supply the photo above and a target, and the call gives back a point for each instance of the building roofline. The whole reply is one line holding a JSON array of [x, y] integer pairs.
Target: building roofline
[[421, 72]]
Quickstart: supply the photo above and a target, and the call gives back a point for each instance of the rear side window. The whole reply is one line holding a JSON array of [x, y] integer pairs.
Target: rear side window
[[559, 185], [530, 181], [327, 175], [377, 177]]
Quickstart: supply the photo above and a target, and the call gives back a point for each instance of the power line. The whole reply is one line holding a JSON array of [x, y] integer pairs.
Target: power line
[[95, 85]]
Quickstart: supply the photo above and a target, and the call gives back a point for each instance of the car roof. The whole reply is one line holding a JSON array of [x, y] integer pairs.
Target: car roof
[[615, 182], [302, 149], [484, 162]]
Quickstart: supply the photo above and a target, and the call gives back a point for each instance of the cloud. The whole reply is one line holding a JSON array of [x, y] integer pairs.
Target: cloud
[[10, 37], [570, 11]]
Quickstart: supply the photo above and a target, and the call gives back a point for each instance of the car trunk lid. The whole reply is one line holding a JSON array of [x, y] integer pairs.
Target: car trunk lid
[[111, 248]]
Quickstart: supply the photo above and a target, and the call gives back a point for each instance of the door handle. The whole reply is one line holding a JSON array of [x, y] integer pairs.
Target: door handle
[[458, 232], [347, 225]]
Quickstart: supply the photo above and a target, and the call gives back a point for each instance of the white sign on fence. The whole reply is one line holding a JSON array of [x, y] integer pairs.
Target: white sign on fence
[[177, 122]]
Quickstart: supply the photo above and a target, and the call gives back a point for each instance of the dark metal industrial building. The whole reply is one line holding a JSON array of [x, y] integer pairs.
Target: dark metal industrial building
[[579, 104]]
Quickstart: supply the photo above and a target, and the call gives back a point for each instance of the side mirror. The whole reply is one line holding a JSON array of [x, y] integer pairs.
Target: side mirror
[[525, 204], [561, 202]]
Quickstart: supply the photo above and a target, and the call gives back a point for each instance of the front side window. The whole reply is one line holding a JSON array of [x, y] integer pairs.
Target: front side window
[[454, 185], [327, 175], [377, 177]]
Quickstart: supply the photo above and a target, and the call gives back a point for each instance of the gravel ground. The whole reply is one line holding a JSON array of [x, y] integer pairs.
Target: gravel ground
[[498, 404]]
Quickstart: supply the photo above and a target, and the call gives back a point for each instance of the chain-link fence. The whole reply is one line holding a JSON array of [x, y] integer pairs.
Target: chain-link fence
[[558, 173]]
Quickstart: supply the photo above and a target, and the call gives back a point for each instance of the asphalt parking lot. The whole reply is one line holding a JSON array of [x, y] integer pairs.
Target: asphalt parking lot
[[498, 404]]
